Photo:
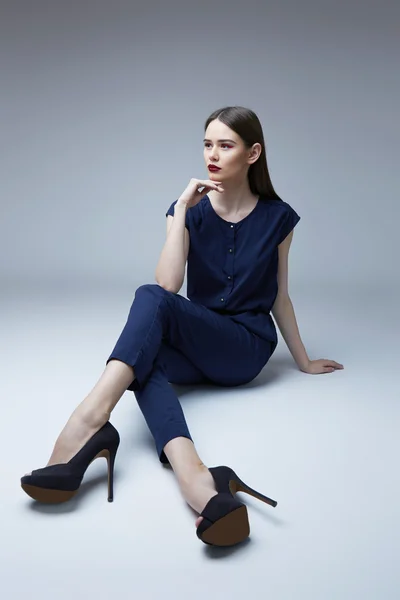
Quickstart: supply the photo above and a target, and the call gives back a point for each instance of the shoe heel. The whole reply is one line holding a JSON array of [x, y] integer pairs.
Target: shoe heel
[[110, 456], [237, 485]]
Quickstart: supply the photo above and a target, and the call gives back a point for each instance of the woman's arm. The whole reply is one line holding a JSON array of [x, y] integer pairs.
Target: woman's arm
[[170, 271], [283, 310], [283, 313]]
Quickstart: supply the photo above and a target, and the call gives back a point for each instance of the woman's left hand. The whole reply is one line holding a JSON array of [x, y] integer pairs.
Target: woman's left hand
[[322, 365]]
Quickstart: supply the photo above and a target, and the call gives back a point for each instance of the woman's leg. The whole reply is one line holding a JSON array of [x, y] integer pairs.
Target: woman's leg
[[158, 402]]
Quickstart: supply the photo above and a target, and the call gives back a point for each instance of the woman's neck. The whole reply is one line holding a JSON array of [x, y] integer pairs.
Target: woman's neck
[[232, 203]]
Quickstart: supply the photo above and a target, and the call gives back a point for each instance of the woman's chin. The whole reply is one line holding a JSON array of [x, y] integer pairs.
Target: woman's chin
[[215, 176]]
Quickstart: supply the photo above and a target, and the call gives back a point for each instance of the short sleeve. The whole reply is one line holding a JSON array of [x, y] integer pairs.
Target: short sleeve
[[171, 211], [289, 222]]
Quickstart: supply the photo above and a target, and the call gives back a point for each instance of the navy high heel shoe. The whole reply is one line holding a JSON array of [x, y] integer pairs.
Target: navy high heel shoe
[[59, 483], [225, 519]]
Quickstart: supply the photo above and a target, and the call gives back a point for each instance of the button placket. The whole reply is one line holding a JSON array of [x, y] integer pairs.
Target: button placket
[[231, 248], [232, 239]]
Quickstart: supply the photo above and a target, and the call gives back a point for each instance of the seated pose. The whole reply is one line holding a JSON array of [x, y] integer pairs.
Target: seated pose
[[234, 233]]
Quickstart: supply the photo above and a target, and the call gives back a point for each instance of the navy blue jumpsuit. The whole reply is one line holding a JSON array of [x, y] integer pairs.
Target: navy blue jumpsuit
[[223, 332]]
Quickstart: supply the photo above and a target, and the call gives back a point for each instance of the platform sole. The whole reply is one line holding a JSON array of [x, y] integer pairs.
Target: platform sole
[[46, 495], [229, 530]]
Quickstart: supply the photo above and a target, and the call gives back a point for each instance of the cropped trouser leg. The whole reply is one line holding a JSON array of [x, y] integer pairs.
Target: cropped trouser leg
[[168, 339]]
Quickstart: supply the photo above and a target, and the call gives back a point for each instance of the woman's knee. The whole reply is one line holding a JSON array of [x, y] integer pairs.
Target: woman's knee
[[149, 297], [152, 290]]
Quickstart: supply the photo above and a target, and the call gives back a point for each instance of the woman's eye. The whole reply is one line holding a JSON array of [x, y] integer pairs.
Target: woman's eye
[[226, 145]]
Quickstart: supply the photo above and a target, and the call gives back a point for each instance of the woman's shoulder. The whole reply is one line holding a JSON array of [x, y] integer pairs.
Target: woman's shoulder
[[275, 202], [278, 205]]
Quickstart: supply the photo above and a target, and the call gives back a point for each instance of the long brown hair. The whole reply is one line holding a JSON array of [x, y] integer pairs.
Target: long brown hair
[[246, 124]]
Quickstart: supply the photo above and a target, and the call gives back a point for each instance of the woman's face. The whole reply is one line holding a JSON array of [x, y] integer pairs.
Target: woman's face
[[226, 150]]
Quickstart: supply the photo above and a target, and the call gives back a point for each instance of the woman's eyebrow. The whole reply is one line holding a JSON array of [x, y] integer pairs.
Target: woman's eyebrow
[[207, 140]]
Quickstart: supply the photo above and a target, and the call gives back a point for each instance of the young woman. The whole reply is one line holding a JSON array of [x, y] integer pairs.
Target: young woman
[[234, 232]]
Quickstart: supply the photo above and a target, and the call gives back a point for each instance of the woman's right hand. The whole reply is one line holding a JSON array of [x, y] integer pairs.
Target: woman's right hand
[[191, 195]]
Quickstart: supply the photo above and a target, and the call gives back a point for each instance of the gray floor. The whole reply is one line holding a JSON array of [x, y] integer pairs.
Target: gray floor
[[326, 447]]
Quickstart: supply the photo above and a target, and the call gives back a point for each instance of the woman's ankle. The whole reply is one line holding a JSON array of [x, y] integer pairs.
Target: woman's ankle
[[90, 417], [184, 459]]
